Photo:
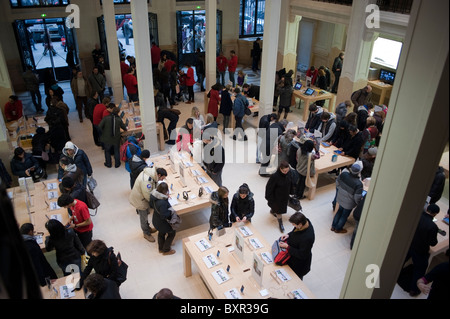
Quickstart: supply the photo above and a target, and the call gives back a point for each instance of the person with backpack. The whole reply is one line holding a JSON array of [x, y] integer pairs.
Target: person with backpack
[[139, 197], [137, 164], [129, 149]]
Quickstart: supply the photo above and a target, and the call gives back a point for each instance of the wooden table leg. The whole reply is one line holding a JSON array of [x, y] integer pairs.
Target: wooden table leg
[[162, 143], [306, 110], [187, 264], [382, 97]]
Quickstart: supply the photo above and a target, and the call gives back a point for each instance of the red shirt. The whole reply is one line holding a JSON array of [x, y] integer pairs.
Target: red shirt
[[214, 101], [130, 82], [13, 111], [124, 68], [221, 63], [168, 65], [313, 75], [156, 54], [80, 213], [98, 113], [232, 63], [190, 80], [105, 113]]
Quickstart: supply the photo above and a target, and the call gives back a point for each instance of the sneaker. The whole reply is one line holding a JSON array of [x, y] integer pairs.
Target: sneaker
[[149, 238], [170, 252]]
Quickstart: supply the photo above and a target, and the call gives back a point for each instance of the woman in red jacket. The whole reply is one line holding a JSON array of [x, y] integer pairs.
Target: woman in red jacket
[[13, 109], [214, 100], [190, 82]]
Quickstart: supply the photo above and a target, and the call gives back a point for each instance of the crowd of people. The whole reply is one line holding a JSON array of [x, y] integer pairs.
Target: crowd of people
[[354, 128]]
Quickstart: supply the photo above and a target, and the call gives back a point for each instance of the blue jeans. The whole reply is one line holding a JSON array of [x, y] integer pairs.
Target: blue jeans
[[112, 150], [340, 218], [231, 74], [222, 78]]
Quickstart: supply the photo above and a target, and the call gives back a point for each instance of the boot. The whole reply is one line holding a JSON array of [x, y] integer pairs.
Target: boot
[[280, 223]]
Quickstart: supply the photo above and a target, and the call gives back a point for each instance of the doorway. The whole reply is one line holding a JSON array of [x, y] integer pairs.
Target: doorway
[[44, 44]]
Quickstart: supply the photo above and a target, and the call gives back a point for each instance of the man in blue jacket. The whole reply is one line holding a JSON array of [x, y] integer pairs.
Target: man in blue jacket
[[239, 111]]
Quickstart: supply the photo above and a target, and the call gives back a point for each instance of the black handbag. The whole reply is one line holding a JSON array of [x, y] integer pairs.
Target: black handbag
[[294, 203], [92, 201], [122, 269]]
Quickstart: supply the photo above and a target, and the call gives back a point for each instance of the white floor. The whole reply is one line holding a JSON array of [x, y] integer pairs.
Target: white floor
[[117, 223]]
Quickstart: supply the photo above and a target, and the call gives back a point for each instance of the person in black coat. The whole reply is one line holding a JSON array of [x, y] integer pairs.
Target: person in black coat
[[67, 245], [437, 188], [219, 209], [242, 205], [78, 157], [40, 263], [299, 243], [162, 212], [275, 130], [5, 178], [263, 130], [39, 145], [74, 189], [137, 165], [277, 192], [226, 106], [419, 251], [24, 164], [352, 146], [103, 260], [213, 157], [98, 287]]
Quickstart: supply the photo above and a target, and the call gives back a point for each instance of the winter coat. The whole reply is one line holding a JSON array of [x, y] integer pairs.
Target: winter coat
[[80, 159], [74, 172], [136, 166], [214, 101], [104, 264], [341, 112], [162, 212], [277, 191], [110, 126], [353, 145], [242, 207], [300, 248], [286, 95], [190, 80], [425, 235], [314, 120], [18, 167], [239, 105], [437, 188], [132, 149], [97, 82], [219, 211], [40, 263], [327, 129], [74, 87], [144, 184], [361, 119], [226, 104], [68, 249], [31, 81], [349, 190]]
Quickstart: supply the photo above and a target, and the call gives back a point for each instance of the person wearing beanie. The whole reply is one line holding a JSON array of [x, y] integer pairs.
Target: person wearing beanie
[[349, 190], [242, 205], [424, 238], [368, 160]]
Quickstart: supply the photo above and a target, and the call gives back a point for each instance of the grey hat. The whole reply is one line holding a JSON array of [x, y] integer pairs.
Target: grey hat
[[356, 168], [372, 151]]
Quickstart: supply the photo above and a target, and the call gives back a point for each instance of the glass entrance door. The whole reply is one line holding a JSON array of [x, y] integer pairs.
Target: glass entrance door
[[45, 45]]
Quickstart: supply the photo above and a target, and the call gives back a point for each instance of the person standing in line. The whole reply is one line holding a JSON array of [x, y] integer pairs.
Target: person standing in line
[[239, 105], [232, 65], [162, 212], [214, 100], [361, 97], [32, 85], [337, 70], [41, 265], [349, 194], [78, 157], [131, 85], [190, 82], [419, 250], [67, 245], [155, 54], [277, 192], [81, 89], [110, 127], [286, 91], [299, 243], [139, 197], [137, 163], [256, 54], [242, 205], [97, 117], [80, 220]]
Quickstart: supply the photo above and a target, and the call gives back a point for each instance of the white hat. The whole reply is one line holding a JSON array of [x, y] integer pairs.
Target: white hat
[[356, 168]]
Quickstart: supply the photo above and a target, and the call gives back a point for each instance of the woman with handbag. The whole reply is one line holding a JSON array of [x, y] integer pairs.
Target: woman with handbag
[[159, 201], [219, 208], [305, 166], [299, 243]]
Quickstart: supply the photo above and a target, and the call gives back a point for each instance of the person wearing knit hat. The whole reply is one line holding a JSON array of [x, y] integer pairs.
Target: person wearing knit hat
[[349, 194], [368, 160]]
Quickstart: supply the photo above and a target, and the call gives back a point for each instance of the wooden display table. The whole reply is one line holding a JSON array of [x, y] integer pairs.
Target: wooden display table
[[277, 281], [194, 178], [42, 203], [133, 115], [316, 96], [442, 244], [325, 164], [22, 130], [63, 288], [382, 88]]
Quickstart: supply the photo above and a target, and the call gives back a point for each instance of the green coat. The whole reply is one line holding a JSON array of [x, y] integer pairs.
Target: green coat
[[107, 125]]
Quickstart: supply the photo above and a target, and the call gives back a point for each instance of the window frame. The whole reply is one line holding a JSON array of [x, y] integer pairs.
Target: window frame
[[242, 9], [20, 6]]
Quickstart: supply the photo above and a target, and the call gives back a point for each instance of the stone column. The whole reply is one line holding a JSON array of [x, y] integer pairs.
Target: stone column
[[358, 51], [269, 55], [288, 49], [139, 12], [406, 162], [210, 54], [113, 50]]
